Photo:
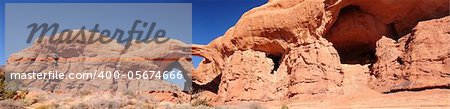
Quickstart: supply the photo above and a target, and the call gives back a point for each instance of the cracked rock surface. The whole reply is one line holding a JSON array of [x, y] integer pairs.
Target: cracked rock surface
[[330, 52]]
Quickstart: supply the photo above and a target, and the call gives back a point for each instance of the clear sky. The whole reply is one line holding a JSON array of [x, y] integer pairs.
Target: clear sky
[[210, 18]]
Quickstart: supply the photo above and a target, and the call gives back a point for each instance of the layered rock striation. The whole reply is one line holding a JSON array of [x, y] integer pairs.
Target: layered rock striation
[[95, 60], [290, 49]]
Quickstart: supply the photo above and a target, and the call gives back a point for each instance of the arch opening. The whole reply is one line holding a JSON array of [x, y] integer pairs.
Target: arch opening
[[354, 35], [185, 82]]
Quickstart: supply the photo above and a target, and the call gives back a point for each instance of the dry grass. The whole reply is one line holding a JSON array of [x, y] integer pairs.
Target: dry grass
[[200, 102], [11, 104], [93, 100]]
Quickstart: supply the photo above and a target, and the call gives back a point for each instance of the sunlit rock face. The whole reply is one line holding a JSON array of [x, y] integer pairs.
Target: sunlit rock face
[[101, 58], [418, 61], [308, 41], [285, 50]]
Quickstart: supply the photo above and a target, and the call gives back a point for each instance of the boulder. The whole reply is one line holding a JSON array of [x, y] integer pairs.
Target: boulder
[[252, 76]]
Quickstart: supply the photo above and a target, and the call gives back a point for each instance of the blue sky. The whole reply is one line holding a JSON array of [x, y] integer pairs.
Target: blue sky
[[210, 18]]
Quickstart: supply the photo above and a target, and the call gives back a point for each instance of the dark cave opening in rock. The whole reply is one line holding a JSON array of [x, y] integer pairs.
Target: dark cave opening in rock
[[200, 62], [212, 86], [276, 62], [354, 35], [395, 34]]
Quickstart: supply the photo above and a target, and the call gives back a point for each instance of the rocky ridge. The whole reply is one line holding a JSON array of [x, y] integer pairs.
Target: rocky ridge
[[95, 57]]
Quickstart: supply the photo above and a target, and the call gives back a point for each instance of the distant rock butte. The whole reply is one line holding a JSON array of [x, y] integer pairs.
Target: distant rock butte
[[80, 58], [288, 50]]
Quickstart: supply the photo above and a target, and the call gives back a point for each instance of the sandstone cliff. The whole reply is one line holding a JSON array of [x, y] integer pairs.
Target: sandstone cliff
[[290, 50]]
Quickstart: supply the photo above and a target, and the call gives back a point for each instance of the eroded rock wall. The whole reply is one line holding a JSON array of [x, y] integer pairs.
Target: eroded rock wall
[[309, 39], [289, 49], [252, 77], [418, 61], [357, 24]]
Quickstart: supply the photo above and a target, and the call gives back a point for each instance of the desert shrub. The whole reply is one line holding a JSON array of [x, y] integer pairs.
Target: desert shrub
[[28, 102], [8, 94], [284, 107], [47, 106], [20, 95], [3, 93], [84, 93], [79, 106], [11, 104], [200, 102], [255, 106], [148, 106], [170, 105]]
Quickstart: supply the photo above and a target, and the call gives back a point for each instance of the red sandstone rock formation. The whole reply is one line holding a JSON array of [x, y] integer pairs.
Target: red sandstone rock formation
[[293, 49], [357, 24], [89, 58], [419, 60], [294, 34]]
